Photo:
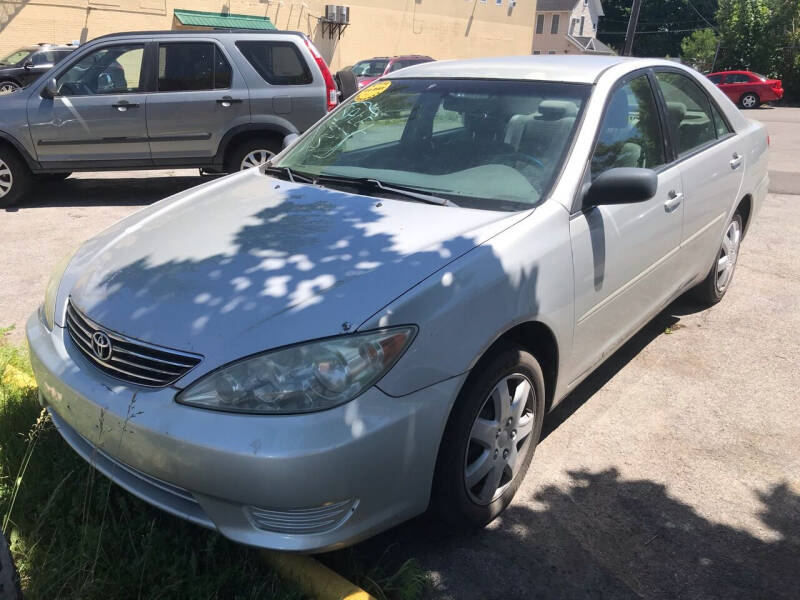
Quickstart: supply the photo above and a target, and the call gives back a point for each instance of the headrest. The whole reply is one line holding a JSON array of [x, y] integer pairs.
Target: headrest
[[557, 109], [677, 110]]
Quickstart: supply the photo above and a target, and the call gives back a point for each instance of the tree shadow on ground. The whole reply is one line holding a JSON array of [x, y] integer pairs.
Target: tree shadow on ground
[[602, 536], [107, 191]]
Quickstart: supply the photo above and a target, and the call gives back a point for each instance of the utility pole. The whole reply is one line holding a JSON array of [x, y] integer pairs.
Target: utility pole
[[632, 22]]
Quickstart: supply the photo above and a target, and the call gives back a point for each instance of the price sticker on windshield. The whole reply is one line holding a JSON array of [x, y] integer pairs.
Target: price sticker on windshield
[[374, 90]]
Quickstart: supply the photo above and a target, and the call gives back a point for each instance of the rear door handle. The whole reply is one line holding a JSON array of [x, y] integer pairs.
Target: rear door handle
[[124, 105], [675, 199], [736, 162], [227, 101]]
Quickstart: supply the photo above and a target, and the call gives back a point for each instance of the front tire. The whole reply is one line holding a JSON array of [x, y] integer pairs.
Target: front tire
[[713, 287], [749, 100], [490, 439], [15, 177]]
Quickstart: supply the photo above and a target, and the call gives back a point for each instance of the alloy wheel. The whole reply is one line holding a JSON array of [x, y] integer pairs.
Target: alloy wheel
[[499, 439], [6, 179], [254, 158], [749, 101], [728, 254], [8, 87]]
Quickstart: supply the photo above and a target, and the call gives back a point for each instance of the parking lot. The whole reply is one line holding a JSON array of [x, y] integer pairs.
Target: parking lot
[[672, 472]]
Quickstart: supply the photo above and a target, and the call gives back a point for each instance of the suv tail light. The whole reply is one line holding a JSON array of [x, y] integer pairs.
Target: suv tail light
[[332, 94]]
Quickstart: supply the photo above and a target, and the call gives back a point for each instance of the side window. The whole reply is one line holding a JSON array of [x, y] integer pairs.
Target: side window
[[192, 66], [715, 78], [447, 120], [109, 70], [42, 58], [630, 135], [719, 123], [278, 63], [737, 78], [689, 111]]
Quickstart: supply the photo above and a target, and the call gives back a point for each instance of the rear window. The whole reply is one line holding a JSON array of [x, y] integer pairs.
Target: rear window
[[278, 63], [192, 66]]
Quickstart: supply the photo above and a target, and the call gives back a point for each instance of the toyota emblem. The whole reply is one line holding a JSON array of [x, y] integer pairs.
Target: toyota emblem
[[101, 345]]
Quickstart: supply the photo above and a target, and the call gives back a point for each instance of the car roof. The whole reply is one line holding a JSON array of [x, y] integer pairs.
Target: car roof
[[566, 68], [198, 32], [399, 56]]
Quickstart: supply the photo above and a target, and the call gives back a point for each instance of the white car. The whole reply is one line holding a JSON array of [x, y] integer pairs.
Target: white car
[[306, 353]]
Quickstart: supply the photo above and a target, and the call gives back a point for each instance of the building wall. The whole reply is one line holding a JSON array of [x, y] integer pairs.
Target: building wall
[[546, 42], [440, 28]]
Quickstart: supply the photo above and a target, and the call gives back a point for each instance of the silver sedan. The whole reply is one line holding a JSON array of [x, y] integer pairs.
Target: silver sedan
[[378, 319]]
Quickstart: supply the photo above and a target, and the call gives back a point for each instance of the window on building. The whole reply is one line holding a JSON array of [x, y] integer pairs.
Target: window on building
[[582, 20], [192, 66], [554, 24], [551, 51], [278, 63], [536, 52], [539, 23], [498, 2]]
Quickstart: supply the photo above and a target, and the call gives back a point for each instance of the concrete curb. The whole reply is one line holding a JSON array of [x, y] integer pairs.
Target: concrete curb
[[314, 578]]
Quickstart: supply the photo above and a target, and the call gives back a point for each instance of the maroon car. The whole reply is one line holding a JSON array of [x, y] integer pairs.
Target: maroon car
[[367, 71], [747, 89]]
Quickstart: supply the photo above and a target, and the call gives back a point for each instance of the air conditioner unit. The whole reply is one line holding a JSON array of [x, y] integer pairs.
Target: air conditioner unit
[[344, 14], [331, 12]]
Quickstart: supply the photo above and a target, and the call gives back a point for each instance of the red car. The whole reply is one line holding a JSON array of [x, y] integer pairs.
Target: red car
[[747, 89], [367, 71]]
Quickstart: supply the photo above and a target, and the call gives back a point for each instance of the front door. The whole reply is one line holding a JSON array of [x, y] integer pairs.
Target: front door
[[199, 97], [98, 114], [625, 255]]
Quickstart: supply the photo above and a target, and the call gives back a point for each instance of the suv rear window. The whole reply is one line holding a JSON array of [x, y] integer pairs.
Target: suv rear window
[[192, 66], [278, 63]]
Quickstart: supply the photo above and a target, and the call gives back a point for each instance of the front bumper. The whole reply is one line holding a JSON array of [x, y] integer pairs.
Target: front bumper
[[303, 483]]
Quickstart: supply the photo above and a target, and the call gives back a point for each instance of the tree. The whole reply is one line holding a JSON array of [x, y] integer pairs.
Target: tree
[[699, 49], [747, 39]]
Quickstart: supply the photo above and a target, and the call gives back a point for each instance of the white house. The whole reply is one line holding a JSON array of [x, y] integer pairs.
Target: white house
[[568, 27]]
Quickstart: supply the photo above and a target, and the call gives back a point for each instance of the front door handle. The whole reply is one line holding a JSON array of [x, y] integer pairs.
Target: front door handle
[[675, 199], [124, 105], [227, 101], [736, 162]]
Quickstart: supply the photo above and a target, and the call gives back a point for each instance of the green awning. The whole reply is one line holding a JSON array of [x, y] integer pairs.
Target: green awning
[[198, 18]]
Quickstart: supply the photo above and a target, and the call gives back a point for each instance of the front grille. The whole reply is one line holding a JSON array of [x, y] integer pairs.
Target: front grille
[[303, 520], [125, 358]]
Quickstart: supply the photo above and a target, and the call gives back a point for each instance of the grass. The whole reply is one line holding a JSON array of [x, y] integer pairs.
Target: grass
[[74, 534]]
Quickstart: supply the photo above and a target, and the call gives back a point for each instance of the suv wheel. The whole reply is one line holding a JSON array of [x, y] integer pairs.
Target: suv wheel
[[15, 178], [252, 153], [490, 438], [8, 86]]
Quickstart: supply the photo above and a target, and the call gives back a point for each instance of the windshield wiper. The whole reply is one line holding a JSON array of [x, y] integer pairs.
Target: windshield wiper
[[400, 191], [293, 176]]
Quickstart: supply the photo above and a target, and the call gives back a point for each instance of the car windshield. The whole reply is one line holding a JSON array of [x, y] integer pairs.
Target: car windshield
[[17, 56], [370, 68], [486, 144]]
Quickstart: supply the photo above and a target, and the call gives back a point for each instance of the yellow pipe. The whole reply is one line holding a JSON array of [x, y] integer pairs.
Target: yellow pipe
[[313, 578]]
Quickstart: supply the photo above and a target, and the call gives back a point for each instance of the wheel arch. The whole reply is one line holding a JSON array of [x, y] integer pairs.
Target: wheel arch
[[241, 133], [745, 208], [10, 142]]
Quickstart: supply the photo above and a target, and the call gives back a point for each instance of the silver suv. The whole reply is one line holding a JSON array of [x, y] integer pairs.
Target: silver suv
[[216, 100]]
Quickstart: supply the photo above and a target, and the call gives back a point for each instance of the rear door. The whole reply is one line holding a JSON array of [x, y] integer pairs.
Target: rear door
[[711, 160], [198, 97], [99, 113]]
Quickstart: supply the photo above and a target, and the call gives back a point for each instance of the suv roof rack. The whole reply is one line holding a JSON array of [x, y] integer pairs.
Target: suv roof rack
[[179, 32]]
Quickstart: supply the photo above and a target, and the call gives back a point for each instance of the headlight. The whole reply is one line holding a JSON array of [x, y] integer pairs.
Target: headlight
[[303, 378], [48, 309]]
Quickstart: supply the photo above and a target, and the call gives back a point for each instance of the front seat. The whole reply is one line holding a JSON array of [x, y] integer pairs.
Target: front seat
[[538, 135]]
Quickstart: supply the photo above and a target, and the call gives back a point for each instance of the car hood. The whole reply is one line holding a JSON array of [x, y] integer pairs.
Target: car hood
[[248, 262]]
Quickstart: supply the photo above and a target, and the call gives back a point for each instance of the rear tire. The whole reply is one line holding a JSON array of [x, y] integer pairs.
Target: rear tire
[[749, 100], [8, 87], [716, 284], [493, 428], [252, 152], [15, 177]]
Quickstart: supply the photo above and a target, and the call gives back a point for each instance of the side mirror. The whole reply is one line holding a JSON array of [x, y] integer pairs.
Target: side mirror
[[290, 140], [623, 185], [27, 65], [50, 89]]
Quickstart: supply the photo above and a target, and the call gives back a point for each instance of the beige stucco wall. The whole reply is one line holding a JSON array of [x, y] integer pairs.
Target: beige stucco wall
[[546, 42], [439, 28]]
